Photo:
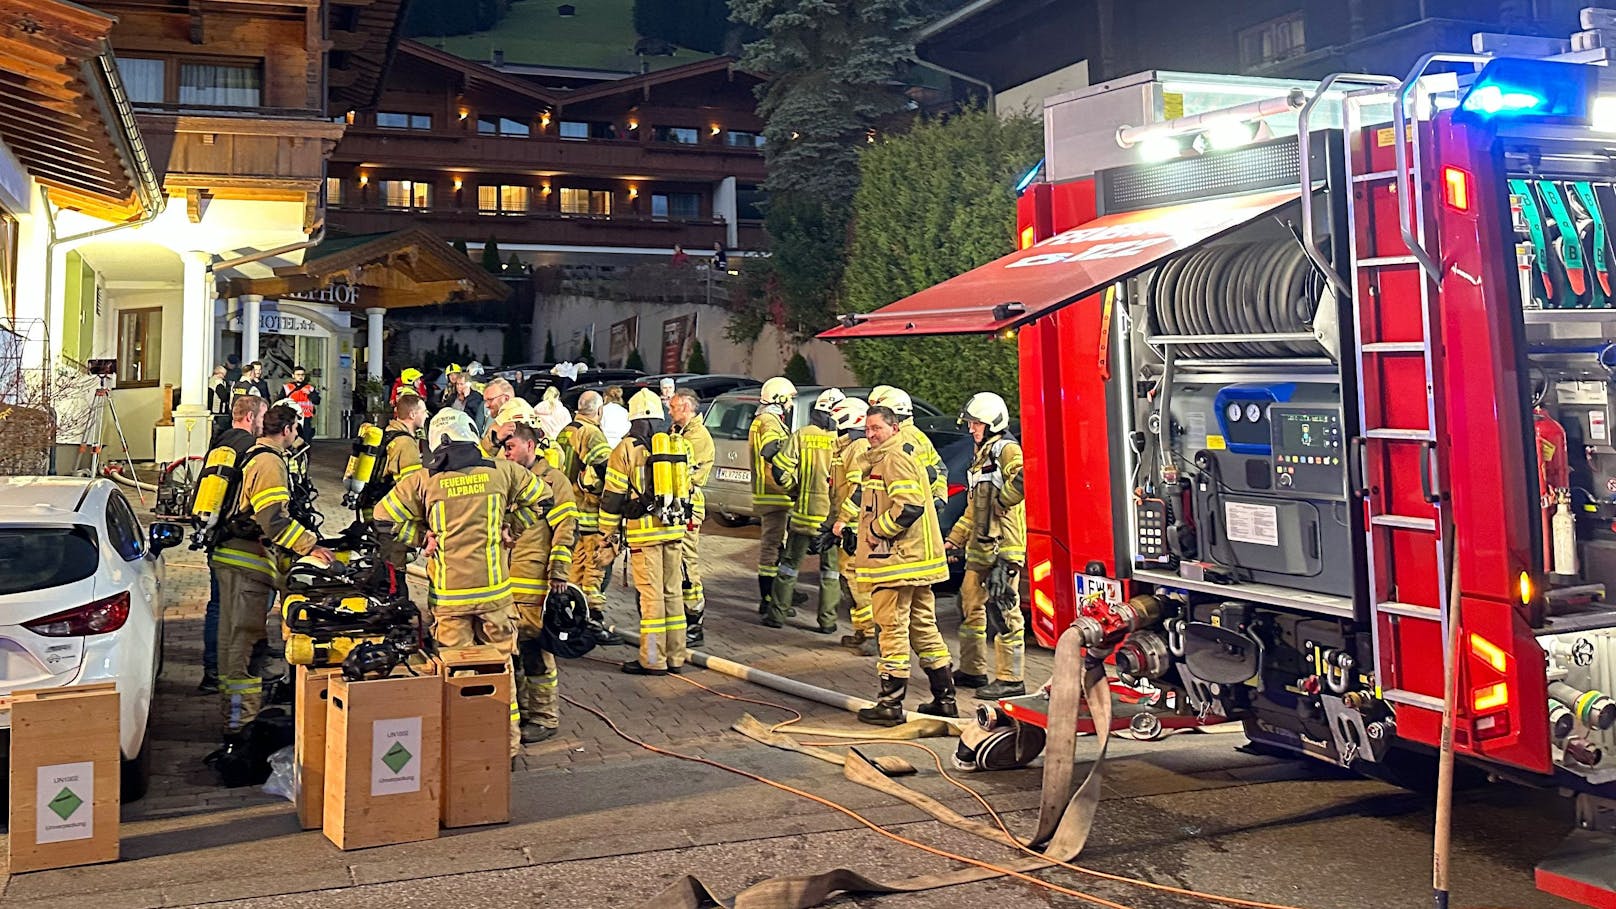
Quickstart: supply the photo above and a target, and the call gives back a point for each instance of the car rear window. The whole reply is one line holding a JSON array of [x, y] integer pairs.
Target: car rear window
[[730, 419], [38, 558]]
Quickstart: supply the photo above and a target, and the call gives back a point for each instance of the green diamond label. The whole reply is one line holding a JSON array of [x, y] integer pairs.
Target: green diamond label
[[395, 746], [395, 759], [66, 802], [64, 796]]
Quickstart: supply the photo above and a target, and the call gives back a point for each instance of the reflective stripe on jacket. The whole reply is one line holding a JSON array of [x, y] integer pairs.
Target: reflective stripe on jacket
[[586, 457], [768, 437], [899, 543], [544, 550], [806, 458], [625, 486], [919, 447], [994, 524], [466, 509], [702, 455]]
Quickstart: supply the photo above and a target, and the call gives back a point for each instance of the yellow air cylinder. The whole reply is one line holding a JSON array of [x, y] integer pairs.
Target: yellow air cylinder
[[363, 461], [681, 469], [661, 469], [302, 650], [210, 489]]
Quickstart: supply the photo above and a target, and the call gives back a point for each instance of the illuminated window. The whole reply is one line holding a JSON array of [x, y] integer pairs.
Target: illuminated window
[[333, 192], [585, 201], [406, 194], [503, 200]]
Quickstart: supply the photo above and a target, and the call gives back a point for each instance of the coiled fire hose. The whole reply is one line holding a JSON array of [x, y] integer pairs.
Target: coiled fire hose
[[1234, 289]]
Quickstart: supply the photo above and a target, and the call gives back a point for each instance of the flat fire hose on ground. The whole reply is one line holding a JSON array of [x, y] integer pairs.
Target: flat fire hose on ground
[[1065, 817]]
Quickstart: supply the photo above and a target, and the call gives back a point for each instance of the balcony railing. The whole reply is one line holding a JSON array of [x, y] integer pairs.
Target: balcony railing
[[428, 150], [533, 226]]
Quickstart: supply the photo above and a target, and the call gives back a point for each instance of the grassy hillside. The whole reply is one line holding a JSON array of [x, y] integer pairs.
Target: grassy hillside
[[600, 36]]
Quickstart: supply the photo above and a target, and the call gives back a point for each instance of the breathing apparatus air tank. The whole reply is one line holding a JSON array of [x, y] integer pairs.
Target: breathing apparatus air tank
[[670, 478], [211, 488], [303, 650], [367, 448]]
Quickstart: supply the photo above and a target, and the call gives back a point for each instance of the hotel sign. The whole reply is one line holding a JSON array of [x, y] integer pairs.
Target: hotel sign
[[340, 294], [272, 322]]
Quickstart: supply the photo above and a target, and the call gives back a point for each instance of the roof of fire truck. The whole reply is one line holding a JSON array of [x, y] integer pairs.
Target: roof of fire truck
[[1157, 116]]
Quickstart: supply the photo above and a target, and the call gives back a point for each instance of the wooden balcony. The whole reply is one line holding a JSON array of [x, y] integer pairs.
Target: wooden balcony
[[610, 158], [546, 228], [259, 154]]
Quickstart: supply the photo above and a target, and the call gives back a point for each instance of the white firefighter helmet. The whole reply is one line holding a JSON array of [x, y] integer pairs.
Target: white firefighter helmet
[[778, 390], [893, 399], [986, 407], [645, 405], [849, 414], [450, 425], [828, 399]]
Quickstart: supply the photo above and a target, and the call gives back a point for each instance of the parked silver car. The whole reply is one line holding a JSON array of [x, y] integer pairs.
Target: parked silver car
[[729, 419]]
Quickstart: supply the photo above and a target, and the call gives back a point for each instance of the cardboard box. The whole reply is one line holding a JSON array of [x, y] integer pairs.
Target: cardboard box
[[477, 690], [65, 778], [383, 760], [313, 694]]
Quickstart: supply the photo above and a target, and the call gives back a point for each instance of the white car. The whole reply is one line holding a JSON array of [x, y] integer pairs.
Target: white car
[[81, 600]]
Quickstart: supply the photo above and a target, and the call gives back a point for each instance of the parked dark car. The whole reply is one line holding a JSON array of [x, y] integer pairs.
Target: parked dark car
[[711, 386], [533, 390], [955, 446]]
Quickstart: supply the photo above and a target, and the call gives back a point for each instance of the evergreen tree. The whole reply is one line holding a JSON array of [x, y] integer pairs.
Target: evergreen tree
[[514, 266], [698, 360], [460, 247], [635, 361], [798, 370], [586, 354], [491, 257], [549, 348]]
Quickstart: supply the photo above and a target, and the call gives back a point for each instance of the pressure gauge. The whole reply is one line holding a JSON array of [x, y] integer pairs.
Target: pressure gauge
[[1253, 412], [1233, 413]]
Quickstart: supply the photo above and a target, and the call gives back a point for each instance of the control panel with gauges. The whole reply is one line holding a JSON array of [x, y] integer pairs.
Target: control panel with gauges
[[1308, 455]]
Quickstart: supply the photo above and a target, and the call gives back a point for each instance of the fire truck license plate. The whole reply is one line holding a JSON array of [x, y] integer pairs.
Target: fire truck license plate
[[734, 475], [1109, 590]]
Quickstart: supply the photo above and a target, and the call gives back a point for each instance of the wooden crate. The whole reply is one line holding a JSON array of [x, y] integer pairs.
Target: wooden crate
[[383, 760], [313, 693], [64, 777], [477, 689]]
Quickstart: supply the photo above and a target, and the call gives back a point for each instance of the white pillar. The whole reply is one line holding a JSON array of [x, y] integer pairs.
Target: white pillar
[[249, 327], [193, 423], [724, 206], [373, 342]]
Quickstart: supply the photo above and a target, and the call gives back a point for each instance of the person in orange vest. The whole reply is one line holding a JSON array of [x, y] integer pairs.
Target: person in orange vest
[[303, 395]]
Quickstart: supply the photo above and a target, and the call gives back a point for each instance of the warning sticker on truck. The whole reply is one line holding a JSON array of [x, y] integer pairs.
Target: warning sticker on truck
[[1247, 523]]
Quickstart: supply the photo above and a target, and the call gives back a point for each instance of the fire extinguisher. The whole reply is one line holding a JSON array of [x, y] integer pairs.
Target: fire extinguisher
[[1554, 495]]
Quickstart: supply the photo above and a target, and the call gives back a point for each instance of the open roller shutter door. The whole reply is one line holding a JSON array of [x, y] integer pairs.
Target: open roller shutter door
[[1031, 282]]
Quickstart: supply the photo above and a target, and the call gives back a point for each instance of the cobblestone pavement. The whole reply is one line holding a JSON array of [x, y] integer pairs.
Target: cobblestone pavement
[[598, 821]]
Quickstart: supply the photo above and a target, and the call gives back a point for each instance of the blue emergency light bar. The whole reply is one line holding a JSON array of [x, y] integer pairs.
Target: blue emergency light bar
[[1536, 89]]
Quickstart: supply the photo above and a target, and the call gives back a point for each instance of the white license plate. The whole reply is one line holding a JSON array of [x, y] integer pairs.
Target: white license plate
[[734, 475]]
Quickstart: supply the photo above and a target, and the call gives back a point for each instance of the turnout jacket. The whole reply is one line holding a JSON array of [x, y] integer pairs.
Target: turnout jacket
[[917, 446], [620, 504], [544, 551], [262, 503], [806, 461], [899, 543], [403, 454], [994, 525], [702, 455], [464, 499], [846, 474], [586, 451], [768, 436]]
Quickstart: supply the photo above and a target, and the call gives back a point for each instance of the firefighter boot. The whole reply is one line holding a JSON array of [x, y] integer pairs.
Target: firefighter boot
[[1001, 689], [969, 680], [694, 635], [766, 603], [942, 693], [888, 707], [854, 640]]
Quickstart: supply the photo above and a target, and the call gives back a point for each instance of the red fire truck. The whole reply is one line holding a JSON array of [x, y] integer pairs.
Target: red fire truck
[[1311, 372]]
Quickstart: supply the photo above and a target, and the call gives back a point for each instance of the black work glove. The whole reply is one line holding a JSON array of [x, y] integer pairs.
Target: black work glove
[[823, 541], [849, 541]]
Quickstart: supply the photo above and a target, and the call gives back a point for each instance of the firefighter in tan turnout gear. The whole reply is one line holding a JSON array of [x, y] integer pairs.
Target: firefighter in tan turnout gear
[[647, 498], [993, 535], [586, 453], [900, 555], [806, 463], [685, 415], [846, 471], [249, 561], [541, 561], [771, 496], [915, 442], [458, 507], [401, 456]]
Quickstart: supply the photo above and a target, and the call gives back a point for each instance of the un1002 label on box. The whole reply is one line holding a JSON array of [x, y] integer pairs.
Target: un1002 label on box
[[395, 756], [64, 803]]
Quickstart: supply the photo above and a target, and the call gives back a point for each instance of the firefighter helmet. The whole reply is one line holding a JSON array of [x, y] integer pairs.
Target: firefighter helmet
[[645, 405], [778, 390], [453, 370], [410, 374], [894, 399], [986, 407], [828, 399], [849, 414], [450, 425], [566, 632]]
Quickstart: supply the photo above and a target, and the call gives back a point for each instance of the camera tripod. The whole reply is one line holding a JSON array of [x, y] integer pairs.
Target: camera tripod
[[100, 407]]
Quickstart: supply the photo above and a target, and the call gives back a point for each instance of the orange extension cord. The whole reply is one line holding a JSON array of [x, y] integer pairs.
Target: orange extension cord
[[937, 760]]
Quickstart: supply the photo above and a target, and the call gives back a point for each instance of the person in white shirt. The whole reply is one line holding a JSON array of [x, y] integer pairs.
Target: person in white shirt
[[552, 415], [614, 417]]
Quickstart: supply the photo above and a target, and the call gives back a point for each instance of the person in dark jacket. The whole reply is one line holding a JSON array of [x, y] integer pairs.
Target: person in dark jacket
[[460, 396]]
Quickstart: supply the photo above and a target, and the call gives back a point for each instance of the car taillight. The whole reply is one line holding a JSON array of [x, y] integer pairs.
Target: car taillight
[[1489, 687], [100, 617], [955, 489]]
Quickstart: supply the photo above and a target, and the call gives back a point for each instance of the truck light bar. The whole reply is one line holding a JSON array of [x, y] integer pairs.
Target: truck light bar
[[1129, 136]]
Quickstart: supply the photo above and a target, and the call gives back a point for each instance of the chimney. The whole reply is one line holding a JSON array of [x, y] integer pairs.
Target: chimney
[[499, 57]]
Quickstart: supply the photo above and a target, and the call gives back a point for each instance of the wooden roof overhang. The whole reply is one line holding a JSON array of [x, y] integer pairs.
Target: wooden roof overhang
[[399, 270]]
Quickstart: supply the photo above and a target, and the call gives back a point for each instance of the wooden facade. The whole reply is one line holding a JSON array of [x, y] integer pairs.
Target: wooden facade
[[471, 153]]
